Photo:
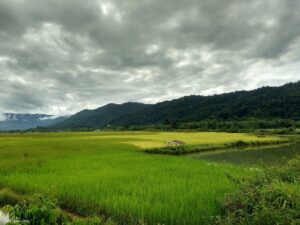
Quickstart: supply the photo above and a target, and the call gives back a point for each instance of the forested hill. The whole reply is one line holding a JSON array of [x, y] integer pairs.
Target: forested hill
[[263, 103]]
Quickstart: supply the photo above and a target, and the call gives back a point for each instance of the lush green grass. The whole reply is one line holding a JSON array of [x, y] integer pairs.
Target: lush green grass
[[107, 173]]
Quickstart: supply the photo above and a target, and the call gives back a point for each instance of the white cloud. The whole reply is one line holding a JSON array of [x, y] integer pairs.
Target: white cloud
[[2, 117]]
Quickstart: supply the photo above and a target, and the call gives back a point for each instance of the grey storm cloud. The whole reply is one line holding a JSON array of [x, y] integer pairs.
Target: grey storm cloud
[[61, 56]]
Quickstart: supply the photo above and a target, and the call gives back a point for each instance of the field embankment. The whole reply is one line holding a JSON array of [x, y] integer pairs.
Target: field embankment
[[187, 149]]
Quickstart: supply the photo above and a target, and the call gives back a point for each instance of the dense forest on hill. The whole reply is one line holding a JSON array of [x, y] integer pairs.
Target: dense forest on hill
[[264, 107]]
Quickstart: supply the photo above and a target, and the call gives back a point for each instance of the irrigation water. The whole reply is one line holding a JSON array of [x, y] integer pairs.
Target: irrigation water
[[253, 156]]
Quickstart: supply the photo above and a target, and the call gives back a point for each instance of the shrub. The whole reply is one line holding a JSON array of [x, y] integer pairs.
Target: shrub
[[39, 211], [42, 210], [269, 198]]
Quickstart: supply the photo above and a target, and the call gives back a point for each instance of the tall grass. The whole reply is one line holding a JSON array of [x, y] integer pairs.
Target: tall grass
[[99, 173]]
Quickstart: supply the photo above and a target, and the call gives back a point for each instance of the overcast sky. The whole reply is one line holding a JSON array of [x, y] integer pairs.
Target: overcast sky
[[61, 56]]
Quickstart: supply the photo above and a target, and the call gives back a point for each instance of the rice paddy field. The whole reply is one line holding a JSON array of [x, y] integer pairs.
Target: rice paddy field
[[109, 173]]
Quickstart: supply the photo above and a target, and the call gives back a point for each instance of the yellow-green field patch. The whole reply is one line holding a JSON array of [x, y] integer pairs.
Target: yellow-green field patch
[[150, 139], [156, 140]]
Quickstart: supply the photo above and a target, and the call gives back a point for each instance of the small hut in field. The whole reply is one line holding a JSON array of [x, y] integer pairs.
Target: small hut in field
[[175, 143]]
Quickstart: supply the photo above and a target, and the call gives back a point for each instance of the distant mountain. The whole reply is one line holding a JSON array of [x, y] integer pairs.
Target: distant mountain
[[264, 103], [14, 121], [103, 116]]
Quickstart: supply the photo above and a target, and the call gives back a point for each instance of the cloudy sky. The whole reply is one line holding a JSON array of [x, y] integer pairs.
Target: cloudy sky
[[61, 56]]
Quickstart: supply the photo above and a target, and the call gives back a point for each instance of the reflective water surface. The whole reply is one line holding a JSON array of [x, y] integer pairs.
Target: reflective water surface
[[267, 156]]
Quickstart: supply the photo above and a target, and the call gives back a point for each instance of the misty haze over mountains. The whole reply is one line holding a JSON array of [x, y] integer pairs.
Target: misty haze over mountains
[[15, 121]]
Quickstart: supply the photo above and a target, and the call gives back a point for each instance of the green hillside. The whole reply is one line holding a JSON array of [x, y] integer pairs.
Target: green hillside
[[265, 103]]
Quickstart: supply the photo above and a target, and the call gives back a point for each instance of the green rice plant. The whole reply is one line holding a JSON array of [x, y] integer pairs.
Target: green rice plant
[[108, 173]]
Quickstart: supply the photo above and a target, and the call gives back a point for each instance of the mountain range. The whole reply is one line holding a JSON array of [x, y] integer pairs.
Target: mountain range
[[15, 121], [264, 103]]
